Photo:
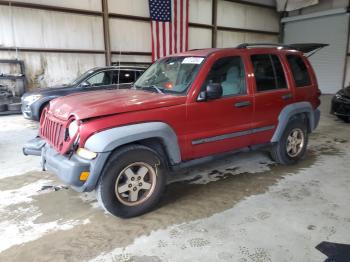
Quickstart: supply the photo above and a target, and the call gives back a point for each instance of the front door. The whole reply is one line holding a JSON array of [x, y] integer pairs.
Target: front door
[[222, 124], [100, 80]]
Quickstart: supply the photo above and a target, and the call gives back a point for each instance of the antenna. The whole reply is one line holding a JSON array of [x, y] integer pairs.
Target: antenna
[[120, 55]]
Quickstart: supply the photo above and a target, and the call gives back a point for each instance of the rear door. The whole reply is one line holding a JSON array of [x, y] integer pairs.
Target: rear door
[[272, 94], [124, 76]]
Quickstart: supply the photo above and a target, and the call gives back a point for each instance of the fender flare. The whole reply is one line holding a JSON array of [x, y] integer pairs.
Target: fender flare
[[110, 139], [294, 109]]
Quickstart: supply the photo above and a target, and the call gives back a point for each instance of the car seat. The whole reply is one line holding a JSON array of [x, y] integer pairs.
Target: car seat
[[232, 84]]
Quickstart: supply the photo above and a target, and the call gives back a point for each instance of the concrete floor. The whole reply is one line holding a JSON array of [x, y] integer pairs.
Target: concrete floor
[[240, 208]]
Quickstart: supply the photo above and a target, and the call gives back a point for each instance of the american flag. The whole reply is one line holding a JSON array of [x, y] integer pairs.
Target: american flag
[[169, 24]]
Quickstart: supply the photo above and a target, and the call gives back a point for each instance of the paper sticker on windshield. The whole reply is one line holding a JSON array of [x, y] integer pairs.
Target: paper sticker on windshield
[[193, 60]]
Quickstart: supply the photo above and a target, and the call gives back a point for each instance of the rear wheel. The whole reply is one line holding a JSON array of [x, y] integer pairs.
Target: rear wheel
[[293, 143], [132, 182]]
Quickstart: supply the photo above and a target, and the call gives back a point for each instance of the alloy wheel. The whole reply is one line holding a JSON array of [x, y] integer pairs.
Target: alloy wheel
[[135, 183], [295, 142]]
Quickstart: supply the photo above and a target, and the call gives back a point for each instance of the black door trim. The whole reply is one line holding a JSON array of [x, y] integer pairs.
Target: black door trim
[[232, 135]]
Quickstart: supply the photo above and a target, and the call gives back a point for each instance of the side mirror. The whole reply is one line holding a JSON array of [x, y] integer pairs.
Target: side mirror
[[85, 84], [212, 91]]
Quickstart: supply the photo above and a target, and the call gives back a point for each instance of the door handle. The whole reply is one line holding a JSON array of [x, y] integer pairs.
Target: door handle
[[242, 104], [287, 96]]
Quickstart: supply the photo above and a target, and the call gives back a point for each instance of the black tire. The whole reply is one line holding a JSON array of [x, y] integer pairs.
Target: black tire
[[279, 151], [116, 166], [346, 119]]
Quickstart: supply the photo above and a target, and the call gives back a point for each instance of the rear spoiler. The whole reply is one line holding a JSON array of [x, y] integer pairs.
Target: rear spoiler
[[307, 48]]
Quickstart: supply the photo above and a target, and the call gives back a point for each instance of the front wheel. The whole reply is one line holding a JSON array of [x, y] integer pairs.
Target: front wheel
[[293, 143], [132, 182]]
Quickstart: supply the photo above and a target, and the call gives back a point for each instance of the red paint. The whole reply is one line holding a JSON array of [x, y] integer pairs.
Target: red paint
[[191, 120]]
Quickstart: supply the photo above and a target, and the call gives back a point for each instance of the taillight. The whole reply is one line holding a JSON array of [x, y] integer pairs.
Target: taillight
[[318, 92]]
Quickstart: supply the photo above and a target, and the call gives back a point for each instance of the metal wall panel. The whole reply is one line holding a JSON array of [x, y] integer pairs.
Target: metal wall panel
[[329, 63], [129, 7], [199, 38], [131, 58], [247, 17], [48, 29], [200, 11], [127, 35], [92, 5], [232, 39], [50, 69]]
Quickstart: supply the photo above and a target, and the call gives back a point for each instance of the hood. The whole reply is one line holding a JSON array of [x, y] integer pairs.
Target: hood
[[48, 90], [108, 102]]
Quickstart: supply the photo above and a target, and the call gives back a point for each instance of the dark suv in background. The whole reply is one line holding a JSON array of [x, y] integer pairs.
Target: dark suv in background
[[98, 78]]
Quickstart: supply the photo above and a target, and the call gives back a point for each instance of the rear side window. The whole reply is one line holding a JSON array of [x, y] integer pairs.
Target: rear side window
[[299, 71], [137, 74], [124, 76], [268, 71], [280, 78]]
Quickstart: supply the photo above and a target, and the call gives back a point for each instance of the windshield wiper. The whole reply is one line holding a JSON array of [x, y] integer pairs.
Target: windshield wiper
[[154, 87]]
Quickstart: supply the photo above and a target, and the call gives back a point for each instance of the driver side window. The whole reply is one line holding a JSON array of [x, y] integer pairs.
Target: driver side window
[[100, 79], [229, 73]]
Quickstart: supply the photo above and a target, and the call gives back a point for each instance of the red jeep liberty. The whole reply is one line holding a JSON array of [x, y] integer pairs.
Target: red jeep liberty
[[184, 107]]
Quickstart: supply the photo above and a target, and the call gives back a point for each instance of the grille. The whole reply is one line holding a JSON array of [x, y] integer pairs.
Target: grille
[[52, 131]]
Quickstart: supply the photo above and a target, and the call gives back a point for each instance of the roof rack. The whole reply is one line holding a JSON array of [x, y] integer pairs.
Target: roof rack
[[246, 45]]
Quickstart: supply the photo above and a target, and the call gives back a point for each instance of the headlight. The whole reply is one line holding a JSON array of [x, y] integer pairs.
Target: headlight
[[73, 129], [32, 98], [87, 154]]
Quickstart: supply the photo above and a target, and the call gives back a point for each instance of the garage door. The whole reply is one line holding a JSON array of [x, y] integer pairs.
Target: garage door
[[328, 63]]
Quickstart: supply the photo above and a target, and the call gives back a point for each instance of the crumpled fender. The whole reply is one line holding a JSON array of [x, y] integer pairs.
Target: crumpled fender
[[110, 139]]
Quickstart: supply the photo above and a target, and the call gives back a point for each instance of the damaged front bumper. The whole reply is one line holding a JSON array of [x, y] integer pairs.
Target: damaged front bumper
[[67, 167]]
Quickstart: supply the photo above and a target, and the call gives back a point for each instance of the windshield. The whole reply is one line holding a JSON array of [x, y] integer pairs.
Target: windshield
[[81, 77], [170, 75]]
